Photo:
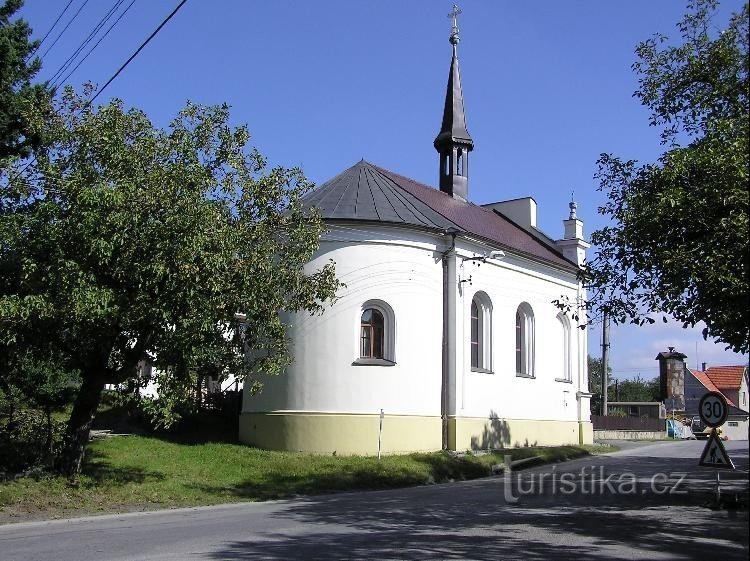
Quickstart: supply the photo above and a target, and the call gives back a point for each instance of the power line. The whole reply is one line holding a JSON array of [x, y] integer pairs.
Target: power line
[[119, 70], [62, 80], [138, 50], [65, 65], [125, 11], [65, 9], [65, 28]]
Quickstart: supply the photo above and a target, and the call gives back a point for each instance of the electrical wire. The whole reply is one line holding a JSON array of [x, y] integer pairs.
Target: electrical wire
[[106, 33], [125, 11], [138, 50], [65, 65], [65, 28], [119, 70], [65, 9]]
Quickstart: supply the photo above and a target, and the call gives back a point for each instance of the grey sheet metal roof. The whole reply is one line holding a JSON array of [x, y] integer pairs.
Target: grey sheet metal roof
[[453, 128], [369, 193], [363, 192]]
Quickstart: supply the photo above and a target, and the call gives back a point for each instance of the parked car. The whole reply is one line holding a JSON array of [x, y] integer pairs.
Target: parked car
[[700, 430]]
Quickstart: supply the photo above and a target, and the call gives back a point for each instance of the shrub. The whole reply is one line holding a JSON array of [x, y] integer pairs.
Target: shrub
[[29, 443]]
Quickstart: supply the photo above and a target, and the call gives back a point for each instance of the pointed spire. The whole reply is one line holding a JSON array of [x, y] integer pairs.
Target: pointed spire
[[453, 142], [454, 128]]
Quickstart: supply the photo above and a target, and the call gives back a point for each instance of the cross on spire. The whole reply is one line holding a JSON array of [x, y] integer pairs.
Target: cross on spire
[[454, 13]]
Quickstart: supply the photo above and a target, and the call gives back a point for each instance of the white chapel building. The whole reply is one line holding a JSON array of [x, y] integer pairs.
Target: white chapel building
[[445, 335]]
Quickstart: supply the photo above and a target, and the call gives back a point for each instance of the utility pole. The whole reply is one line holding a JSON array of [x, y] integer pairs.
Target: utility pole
[[605, 360]]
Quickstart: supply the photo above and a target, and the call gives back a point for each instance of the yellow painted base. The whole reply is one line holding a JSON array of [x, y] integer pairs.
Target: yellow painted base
[[326, 433], [473, 433], [346, 434], [586, 432]]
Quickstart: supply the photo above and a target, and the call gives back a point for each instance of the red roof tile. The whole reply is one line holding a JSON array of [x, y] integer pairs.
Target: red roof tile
[[726, 377], [703, 378]]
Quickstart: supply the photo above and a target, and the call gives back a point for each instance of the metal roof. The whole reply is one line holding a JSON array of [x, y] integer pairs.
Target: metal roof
[[369, 193], [453, 128], [363, 192]]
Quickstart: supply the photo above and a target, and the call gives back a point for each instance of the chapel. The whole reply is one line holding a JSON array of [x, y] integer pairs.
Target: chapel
[[445, 335]]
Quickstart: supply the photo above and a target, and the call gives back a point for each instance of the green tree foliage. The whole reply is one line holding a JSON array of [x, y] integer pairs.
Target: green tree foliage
[[40, 382], [679, 240], [17, 93], [127, 243], [636, 389]]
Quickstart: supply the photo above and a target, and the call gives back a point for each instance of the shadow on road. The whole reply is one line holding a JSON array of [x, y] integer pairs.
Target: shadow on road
[[474, 520]]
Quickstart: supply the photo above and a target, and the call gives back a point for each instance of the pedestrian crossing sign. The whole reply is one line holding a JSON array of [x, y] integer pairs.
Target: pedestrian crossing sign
[[714, 454]]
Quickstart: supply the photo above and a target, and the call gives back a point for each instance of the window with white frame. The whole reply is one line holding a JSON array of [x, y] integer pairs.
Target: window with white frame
[[524, 341], [564, 356], [481, 333], [377, 333]]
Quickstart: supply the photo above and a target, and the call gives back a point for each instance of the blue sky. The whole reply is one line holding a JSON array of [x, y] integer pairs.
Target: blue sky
[[547, 86]]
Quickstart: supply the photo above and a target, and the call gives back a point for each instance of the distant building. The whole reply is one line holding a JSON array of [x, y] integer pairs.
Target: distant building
[[732, 382], [684, 388]]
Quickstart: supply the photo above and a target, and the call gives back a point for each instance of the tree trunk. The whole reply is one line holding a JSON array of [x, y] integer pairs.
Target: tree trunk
[[79, 425], [48, 443], [198, 390]]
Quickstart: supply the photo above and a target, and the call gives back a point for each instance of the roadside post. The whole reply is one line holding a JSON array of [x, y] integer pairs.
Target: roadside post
[[380, 432], [713, 412]]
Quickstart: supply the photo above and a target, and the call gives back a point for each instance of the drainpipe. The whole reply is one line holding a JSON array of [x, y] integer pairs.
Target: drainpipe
[[446, 344]]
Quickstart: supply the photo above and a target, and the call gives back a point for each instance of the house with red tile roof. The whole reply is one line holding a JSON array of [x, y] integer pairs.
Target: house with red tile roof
[[732, 381]]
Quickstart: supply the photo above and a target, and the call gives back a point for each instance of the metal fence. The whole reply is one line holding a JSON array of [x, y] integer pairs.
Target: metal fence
[[609, 422]]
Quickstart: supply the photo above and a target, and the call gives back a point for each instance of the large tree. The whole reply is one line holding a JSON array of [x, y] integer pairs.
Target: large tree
[[125, 242], [17, 93], [678, 243]]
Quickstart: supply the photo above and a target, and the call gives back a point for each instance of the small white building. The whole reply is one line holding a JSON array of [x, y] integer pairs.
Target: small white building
[[446, 324]]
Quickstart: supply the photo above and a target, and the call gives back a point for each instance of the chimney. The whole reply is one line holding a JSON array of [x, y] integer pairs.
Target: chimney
[[672, 377], [703, 366]]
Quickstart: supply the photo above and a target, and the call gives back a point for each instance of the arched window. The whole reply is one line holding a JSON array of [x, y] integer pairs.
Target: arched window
[[564, 353], [371, 337], [481, 332], [524, 341], [376, 334]]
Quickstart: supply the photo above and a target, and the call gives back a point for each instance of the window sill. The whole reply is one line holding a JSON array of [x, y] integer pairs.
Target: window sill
[[373, 362], [522, 375], [481, 370], [564, 380]]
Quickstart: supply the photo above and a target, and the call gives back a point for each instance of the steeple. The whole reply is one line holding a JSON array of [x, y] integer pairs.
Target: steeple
[[572, 245], [453, 142]]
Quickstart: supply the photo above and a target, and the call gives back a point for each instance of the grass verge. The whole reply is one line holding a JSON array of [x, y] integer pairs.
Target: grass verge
[[142, 473]]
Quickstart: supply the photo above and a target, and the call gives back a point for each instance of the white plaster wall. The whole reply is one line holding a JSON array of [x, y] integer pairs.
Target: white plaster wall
[[403, 268], [509, 282], [743, 400], [400, 267]]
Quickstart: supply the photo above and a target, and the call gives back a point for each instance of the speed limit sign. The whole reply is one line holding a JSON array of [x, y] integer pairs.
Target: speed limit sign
[[713, 409]]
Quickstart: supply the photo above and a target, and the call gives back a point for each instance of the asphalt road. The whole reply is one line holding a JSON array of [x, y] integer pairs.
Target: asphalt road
[[640, 503]]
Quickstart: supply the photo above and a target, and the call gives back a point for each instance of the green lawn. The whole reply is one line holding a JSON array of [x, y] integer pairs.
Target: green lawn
[[136, 473]]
